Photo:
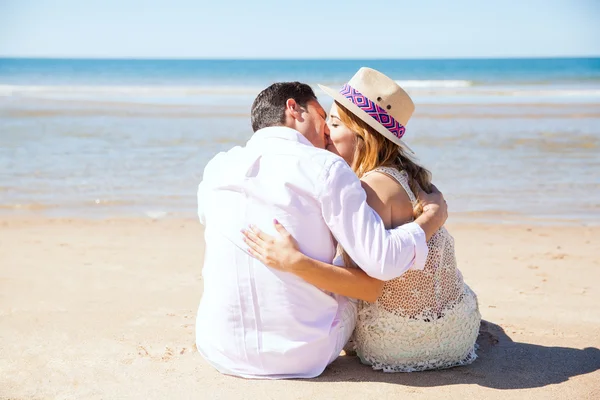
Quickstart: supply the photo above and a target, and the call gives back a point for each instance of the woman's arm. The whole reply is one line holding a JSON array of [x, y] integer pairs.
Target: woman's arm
[[349, 282], [282, 254]]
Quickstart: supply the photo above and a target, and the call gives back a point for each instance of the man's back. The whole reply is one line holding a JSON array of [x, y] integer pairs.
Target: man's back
[[254, 321]]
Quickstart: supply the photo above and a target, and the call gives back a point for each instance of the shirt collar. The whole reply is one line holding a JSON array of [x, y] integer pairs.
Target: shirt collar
[[279, 132]]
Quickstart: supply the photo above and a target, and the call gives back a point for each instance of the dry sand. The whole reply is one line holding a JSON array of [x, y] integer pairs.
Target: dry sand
[[106, 309]]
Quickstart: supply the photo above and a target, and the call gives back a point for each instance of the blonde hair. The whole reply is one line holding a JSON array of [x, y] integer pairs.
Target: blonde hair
[[374, 150]]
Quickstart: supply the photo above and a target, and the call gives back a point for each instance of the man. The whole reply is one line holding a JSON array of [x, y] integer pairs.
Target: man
[[257, 322]]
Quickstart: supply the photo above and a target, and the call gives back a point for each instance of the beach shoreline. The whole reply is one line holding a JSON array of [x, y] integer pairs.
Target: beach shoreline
[[105, 308], [493, 162]]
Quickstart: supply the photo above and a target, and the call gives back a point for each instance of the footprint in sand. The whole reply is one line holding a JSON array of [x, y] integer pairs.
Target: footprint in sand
[[167, 355]]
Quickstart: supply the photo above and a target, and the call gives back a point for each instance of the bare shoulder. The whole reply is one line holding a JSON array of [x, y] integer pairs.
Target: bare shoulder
[[383, 184], [390, 195]]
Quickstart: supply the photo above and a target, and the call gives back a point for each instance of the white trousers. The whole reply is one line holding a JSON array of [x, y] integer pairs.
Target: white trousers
[[346, 327]]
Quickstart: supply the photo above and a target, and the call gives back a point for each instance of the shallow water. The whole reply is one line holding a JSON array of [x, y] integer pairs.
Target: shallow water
[[501, 151]]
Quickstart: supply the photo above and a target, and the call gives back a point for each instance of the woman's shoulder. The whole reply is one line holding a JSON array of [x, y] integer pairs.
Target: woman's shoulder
[[386, 180], [389, 193]]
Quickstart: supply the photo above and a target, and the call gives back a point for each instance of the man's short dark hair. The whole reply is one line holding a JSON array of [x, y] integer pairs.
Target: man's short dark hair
[[268, 108]]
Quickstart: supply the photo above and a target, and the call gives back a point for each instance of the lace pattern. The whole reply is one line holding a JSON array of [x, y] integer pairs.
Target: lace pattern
[[423, 320]]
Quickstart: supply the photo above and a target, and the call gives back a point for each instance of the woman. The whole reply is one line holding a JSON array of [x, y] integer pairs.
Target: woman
[[425, 319]]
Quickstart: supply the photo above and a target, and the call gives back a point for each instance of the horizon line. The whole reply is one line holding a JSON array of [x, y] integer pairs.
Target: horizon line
[[294, 59]]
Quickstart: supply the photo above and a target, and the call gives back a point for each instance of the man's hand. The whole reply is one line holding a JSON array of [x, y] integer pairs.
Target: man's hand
[[435, 211], [435, 203]]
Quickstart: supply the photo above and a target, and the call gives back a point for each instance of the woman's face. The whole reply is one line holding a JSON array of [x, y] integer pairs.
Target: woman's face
[[341, 140]]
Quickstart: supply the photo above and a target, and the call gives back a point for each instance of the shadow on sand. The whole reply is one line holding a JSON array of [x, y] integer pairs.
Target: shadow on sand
[[501, 364]]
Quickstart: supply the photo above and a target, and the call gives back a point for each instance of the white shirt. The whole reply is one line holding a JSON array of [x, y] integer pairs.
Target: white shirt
[[257, 322]]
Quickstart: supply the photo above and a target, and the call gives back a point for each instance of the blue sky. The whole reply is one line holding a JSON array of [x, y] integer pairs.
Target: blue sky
[[303, 29]]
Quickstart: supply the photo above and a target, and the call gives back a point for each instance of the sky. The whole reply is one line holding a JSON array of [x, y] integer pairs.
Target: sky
[[303, 29]]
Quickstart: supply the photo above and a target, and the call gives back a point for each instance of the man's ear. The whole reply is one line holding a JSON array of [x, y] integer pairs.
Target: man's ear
[[294, 110]]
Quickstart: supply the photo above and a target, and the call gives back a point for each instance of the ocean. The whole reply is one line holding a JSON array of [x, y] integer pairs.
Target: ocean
[[506, 140]]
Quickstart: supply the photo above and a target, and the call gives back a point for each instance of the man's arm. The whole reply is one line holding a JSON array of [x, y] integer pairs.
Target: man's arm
[[201, 197], [203, 187], [381, 254]]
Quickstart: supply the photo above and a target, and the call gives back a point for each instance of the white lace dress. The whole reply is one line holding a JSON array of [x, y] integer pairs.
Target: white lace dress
[[423, 320]]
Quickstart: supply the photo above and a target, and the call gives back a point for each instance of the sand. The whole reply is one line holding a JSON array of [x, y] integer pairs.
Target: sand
[[106, 309]]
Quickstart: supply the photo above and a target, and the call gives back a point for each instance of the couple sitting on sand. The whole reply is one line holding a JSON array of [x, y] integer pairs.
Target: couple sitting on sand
[[341, 242]]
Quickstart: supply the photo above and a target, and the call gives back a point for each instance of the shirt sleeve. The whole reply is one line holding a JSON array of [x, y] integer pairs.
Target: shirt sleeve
[[204, 188], [360, 231], [201, 203]]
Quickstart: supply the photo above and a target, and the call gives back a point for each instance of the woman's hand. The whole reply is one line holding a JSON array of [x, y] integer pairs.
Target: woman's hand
[[280, 253]]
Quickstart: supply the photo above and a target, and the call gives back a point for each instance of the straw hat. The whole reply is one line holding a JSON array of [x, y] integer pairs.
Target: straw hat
[[378, 101]]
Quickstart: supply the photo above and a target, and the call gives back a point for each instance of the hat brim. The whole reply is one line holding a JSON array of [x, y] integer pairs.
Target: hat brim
[[354, 109]]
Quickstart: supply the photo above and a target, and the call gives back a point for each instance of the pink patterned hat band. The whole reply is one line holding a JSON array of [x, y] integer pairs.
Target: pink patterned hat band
[[376, 112]]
